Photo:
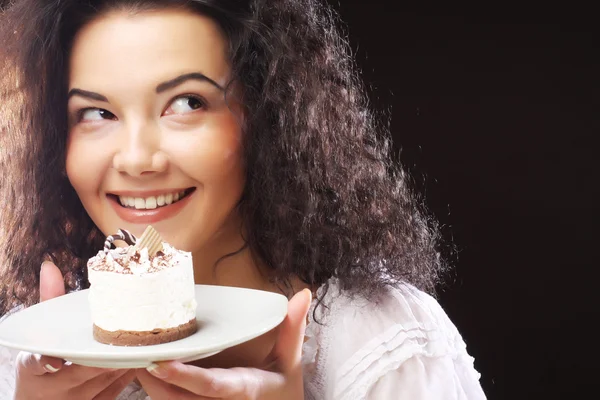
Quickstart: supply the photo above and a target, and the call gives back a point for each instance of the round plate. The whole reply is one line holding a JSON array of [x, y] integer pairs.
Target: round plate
[[62, 327]]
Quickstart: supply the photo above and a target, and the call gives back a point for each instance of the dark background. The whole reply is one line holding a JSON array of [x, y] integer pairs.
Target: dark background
[[494, 111]]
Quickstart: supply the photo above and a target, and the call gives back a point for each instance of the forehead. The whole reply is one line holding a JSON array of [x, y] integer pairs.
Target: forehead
[[147, 48]]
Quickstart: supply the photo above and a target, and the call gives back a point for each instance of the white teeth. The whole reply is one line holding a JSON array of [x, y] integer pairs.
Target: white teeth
[[151, 202]]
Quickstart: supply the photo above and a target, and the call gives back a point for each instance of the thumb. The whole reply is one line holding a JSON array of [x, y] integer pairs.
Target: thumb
[[52, 283], [288, 348]]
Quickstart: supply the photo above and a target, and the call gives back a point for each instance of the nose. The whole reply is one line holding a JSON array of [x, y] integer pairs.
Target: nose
[[139, 151]]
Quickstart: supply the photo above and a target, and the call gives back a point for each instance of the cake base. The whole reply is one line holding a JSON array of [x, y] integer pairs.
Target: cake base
[[147, 338]]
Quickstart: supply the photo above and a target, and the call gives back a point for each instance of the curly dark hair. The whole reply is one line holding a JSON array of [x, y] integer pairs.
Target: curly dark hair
[[323, 197]]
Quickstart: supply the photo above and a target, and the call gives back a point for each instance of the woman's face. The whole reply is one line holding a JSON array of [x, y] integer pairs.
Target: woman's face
[[151, 138]]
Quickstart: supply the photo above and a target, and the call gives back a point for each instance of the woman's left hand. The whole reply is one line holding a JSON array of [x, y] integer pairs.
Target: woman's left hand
[[174, 380]]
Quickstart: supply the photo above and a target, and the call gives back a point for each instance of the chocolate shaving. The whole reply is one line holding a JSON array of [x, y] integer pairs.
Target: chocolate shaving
[[135, 257]]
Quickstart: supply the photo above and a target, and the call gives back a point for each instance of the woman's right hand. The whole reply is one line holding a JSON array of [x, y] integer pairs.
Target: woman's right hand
[[35, 380], [49, 378]]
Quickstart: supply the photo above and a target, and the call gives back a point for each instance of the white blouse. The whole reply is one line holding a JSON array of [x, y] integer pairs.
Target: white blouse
[[403, 346]]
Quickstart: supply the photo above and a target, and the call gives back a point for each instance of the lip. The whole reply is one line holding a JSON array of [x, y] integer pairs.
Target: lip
[[135, 216], [147, 193]]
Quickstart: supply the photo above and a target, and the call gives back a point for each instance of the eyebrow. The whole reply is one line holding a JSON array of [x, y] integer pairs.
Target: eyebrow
[[184, 78], [87, 94], [170, 84]]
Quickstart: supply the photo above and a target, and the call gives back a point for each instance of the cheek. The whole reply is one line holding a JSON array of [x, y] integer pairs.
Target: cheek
[[83, 165], [220, 163], [214, 157]]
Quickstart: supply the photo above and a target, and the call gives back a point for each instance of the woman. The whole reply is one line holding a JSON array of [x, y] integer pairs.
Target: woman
[[254, 112]]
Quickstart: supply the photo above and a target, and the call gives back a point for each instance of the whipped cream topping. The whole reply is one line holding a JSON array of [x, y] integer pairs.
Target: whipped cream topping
[[139, 262], [141, 293]]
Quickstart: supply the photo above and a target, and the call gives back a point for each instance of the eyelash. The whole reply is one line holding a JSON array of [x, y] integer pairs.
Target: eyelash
[[200, 99], [79, 114], [204, 104]]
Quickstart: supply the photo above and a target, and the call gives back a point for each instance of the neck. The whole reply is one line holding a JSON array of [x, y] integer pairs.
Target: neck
[[226, 260]]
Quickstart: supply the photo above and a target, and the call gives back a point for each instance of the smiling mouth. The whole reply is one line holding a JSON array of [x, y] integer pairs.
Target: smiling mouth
[[152, 202]]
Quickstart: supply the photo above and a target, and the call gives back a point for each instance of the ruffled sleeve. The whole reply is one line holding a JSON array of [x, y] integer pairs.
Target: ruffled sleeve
[[422, 377], [402, 347]]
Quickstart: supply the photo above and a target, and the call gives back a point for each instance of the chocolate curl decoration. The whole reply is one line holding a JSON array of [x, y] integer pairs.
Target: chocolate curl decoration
[[121, 234]]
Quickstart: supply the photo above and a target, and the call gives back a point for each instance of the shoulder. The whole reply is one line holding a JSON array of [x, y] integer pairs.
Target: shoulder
[[404, 307], [403, 312], [360, 341], [403, 315]]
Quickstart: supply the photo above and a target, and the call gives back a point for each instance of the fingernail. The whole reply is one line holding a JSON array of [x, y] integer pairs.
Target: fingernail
[[50, 369], [157, 370], [310, 294], [44, 265]]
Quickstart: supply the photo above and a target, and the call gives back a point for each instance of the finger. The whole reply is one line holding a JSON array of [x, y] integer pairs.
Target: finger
[[75, 375], [111, 392], [51, 281], [288, 347], [36, 364], [91, 387], [217, 382], [158, 389], [106, 386]]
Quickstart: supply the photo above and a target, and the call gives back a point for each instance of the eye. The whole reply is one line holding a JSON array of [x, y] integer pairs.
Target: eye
[[185, 104], [95, 114]]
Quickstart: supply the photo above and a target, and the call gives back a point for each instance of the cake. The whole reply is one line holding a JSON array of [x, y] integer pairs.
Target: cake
[[141, 296]]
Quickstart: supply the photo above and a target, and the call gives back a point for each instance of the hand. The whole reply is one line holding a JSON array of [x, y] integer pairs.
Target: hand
[[172, 379], [41, 377]]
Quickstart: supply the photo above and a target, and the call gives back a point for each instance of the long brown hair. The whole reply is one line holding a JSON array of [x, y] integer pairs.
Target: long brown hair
[[322, 198]]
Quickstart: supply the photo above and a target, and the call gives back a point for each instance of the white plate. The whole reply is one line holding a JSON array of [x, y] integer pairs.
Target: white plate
[[62, 327]]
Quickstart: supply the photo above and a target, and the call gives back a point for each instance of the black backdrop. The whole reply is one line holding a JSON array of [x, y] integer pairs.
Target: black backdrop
[[494, 113]]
